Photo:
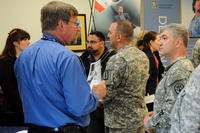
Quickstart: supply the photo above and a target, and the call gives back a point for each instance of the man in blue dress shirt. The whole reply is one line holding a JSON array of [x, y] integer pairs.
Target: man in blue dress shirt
[[55, 94]]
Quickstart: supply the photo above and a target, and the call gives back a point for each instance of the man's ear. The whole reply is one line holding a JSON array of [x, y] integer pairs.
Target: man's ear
[[119, 37], [179, 42], [101, 42], [60, 24]]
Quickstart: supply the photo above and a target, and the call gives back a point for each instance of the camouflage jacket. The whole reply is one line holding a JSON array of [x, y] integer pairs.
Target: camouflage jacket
[[196, 54], [174, 80], [126, 75], [185, 114]]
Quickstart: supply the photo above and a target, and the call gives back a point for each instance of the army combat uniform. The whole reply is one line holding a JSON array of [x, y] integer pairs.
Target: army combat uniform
[[174, 80], [185, 117], [196, 54], [126, 75]]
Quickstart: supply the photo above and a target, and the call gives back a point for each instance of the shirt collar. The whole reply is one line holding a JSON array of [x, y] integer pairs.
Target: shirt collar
[[175, 61], [51, 37]]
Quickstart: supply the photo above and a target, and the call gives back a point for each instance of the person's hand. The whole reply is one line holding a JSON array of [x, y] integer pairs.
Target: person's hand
[[146, 120], [100, 89]]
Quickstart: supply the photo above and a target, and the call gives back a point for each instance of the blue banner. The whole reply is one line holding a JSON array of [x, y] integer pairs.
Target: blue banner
[[158, 13]]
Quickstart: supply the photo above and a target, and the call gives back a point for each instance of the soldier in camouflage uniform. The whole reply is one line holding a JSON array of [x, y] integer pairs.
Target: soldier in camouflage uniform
[[126, 75], [173, 45], [185, 117], [196, 54]]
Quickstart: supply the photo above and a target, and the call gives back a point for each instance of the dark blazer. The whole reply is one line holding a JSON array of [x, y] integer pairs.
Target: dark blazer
[[154, 73], [11, 112]]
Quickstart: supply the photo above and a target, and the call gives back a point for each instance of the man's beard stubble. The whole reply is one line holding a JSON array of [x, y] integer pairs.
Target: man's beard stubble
[[92, 51]]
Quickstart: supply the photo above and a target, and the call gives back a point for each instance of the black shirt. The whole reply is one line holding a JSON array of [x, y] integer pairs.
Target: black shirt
[[155, 74], [11, 109], [87, 58]]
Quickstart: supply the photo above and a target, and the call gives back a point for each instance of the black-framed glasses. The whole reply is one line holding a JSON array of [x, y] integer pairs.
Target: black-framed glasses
[[92, 42]]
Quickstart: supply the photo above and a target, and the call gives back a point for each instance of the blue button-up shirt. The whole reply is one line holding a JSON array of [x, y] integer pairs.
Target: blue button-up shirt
[[53, 85]]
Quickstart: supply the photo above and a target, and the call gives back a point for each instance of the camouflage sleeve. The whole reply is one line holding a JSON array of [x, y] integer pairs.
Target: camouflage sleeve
[[173, 87], [175, 127], [190, 107], [176, 82], [114, 75], [196, 54]]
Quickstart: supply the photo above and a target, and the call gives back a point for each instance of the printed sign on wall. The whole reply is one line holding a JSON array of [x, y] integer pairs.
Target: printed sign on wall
[[158, 13]]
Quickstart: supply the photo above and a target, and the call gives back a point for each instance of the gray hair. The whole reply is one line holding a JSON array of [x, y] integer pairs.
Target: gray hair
[[54, 11], [178, 30], [126, 28]]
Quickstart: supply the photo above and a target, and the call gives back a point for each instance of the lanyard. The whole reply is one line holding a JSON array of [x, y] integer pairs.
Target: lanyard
[[51, 38]]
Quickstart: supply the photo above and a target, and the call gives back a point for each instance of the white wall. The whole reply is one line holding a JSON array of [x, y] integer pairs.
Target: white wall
[[25, 14]]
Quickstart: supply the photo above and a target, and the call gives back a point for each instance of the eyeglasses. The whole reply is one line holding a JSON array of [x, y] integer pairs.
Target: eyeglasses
[[92, 42], [77, 23]]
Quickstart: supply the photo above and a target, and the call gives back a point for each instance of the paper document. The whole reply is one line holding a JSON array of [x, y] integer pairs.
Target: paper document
[[149, 99], [94, 76]]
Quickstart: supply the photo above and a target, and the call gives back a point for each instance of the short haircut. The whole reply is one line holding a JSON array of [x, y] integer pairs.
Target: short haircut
[[178, 30], [54, 11], [98, 34], [126, 28], [140, 37]]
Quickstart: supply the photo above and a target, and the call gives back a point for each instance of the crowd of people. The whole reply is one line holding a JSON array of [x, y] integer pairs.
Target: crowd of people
[[47, 88]]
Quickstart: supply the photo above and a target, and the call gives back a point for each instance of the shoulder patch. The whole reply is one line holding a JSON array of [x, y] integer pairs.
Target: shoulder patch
[[178, 87], [105, 75]]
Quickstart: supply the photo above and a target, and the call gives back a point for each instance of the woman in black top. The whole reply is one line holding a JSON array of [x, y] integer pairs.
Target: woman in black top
[[148, 42], [11, 113]]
